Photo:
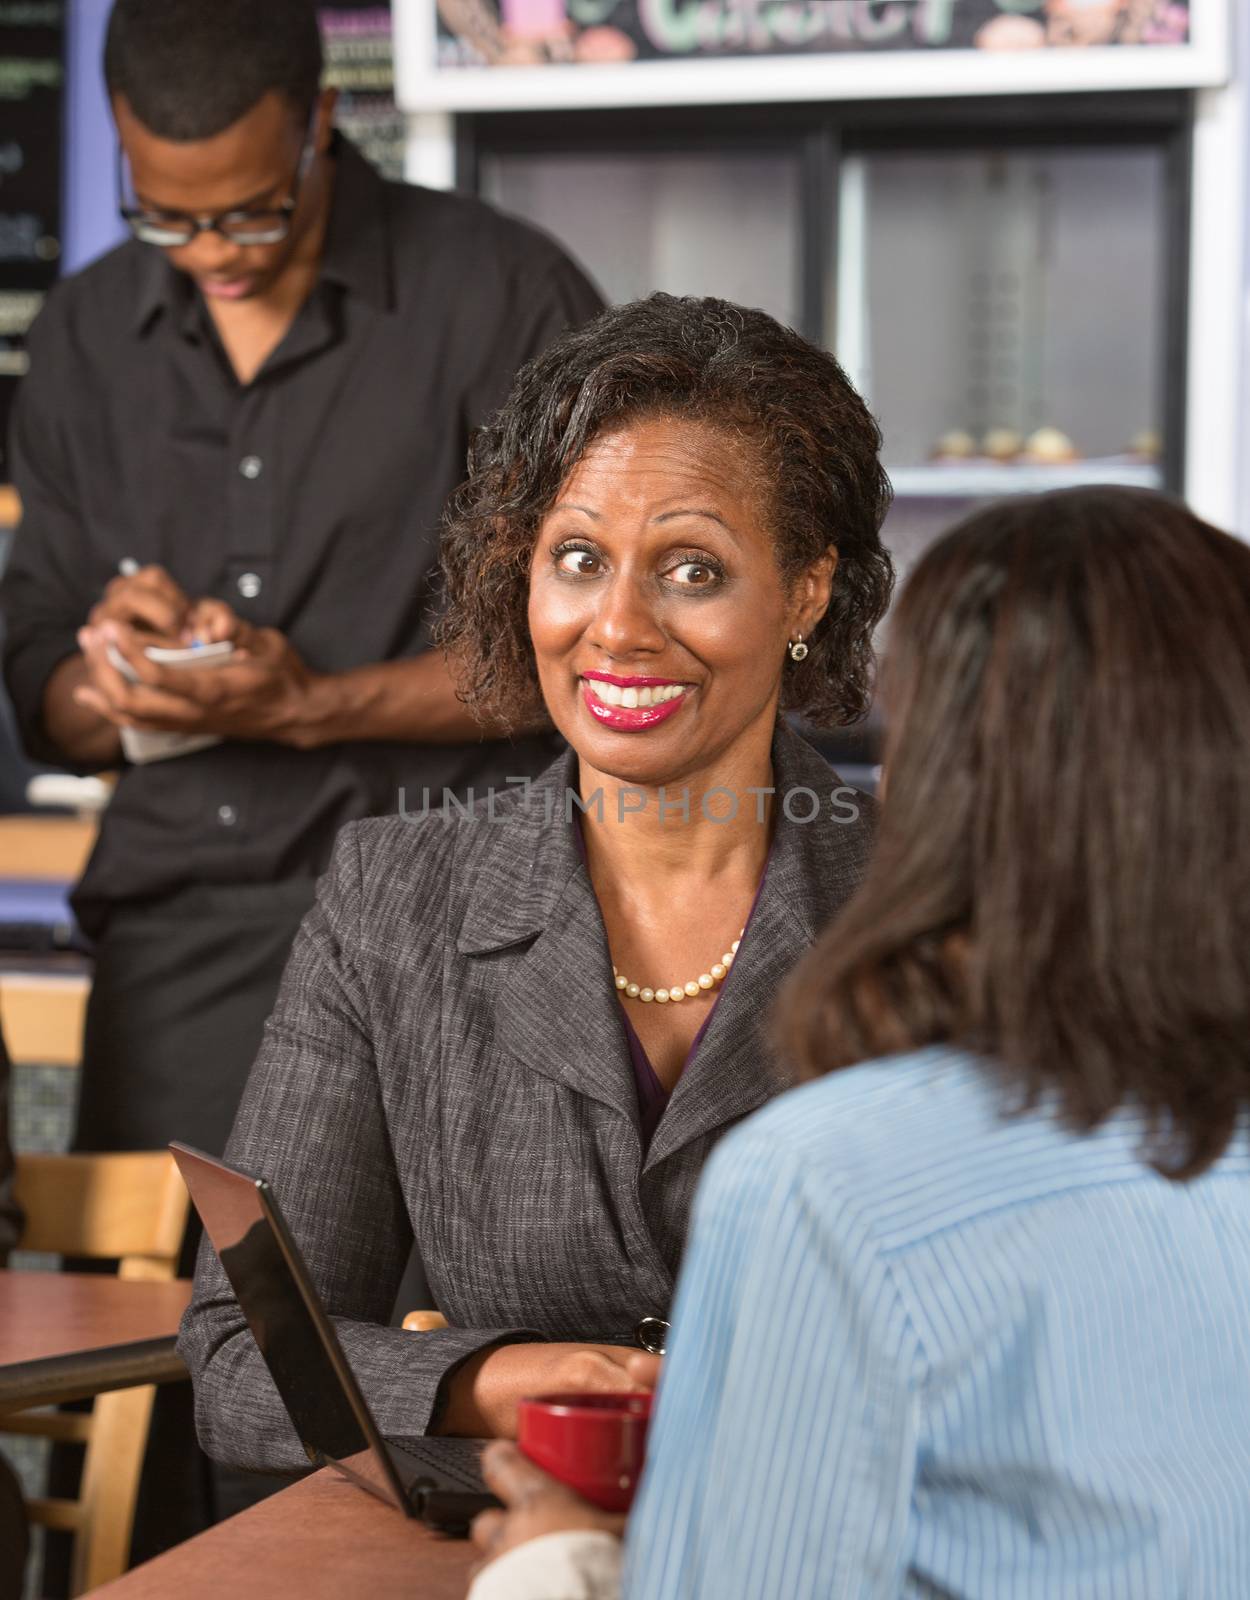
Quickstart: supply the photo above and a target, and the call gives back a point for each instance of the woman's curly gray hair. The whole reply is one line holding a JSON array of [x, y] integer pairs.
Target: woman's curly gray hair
[[816, 448]]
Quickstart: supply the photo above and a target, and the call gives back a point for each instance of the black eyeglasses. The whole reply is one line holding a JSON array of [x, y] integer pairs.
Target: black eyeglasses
[[170, 229]]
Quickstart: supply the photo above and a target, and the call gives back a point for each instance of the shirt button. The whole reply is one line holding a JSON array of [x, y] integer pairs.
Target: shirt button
[[227, 816], [249, 585], [251, 466]]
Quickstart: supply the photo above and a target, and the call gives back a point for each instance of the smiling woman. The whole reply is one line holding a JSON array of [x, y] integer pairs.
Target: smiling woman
[[658, 552], [669, 533], [760, 415]]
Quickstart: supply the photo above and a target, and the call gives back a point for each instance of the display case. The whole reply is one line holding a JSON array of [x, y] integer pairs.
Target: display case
[[1005, 311], [1003, 279], [669, 219]]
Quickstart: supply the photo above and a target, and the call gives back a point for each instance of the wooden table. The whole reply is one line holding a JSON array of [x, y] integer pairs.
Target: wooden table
[[67, 1335], [321, 1539], [55, 848]]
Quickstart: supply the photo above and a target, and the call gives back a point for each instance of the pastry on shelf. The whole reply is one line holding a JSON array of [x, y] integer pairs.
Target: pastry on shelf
[[1002, 444], [1147, 444], [1049, 447], [957, 445]]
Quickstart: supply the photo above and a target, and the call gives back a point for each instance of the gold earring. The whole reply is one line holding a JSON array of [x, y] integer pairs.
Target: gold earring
[[798, 650]]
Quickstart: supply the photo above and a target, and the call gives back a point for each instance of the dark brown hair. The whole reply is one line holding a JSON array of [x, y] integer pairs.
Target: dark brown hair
[[1062, 876], [191, 68], [816, 448]]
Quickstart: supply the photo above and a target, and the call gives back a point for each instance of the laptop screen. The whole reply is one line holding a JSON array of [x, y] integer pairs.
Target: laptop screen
[[264, 1269]]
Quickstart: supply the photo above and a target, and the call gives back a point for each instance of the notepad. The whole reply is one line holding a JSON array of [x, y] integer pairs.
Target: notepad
[[141, 747]]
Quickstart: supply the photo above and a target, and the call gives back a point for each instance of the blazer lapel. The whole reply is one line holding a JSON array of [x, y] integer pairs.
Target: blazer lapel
[[812, 870], [732, 1074], [533, 915], [559, 1005]]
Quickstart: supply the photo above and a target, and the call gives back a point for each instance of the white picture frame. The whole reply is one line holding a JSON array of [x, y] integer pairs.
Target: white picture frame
[[422, 85]]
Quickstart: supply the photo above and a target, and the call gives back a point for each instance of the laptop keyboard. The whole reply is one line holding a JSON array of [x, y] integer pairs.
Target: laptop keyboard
[[458, 1459]]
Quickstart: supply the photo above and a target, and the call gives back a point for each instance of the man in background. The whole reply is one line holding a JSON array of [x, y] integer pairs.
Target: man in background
[[241, 426]]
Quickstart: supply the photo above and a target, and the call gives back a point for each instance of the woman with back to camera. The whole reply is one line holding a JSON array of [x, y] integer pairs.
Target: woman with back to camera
[[1009, 1224], [517, 1035]]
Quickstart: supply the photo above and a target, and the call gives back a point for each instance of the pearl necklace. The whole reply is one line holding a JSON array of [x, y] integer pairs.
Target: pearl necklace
[[715, 974]]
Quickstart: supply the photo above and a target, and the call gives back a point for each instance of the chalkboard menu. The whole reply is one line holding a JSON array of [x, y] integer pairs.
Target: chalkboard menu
[[31, 77], [360, 64]]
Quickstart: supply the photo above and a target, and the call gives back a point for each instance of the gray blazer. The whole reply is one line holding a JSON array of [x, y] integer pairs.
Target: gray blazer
[[446, 1061]]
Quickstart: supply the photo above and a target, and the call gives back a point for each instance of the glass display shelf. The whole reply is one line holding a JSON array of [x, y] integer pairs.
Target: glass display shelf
[[989, 297], [985, 479]]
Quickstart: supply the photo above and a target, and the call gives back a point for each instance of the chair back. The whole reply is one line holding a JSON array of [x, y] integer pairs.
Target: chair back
[[130, 1207]]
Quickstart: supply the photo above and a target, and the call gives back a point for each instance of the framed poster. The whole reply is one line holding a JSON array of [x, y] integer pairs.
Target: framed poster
[[481, 55]]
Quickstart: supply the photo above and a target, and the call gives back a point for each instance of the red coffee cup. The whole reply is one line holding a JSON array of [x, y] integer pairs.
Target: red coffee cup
[[595, 1443]]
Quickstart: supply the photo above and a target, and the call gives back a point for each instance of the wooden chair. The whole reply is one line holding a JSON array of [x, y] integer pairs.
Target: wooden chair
[[43, 1016], [44, 1011], [132, 1207]]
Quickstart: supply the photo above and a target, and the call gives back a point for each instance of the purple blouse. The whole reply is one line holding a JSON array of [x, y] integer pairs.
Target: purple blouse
[[653, 1097]]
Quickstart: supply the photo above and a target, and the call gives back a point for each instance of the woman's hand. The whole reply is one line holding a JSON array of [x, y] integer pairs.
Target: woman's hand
[[535, 1504], [483, 1394]]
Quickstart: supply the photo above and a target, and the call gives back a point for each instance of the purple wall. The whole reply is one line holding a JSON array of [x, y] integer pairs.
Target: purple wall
[[91, 224]]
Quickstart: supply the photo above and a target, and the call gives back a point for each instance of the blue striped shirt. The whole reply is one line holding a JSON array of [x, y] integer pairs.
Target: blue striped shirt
[[921, 1350]]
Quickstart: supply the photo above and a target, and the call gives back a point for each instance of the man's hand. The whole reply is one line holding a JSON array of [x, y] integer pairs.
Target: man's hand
[[214, 622], [535, 1505], [149, 600], [263, 692]]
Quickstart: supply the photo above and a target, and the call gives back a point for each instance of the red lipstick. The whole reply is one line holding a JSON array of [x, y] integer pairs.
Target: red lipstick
[[627, 719]]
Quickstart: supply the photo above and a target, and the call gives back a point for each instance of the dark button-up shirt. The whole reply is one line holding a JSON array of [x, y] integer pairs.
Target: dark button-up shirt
[[309, 499]]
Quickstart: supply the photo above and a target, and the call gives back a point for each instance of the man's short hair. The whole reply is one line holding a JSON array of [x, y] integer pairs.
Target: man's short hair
[[191, 68]]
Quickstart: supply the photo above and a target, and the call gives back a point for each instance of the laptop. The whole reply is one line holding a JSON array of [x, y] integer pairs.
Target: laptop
[[435, 1480]]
